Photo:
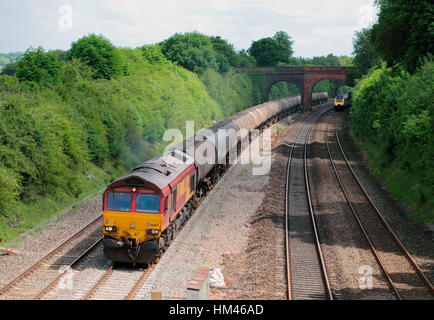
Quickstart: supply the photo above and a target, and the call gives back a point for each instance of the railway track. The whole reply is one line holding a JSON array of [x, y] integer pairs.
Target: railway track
[[122, 282], [116, 283], [306, 271], [403, 274], [119, 283], [126, 282], [43, 276]]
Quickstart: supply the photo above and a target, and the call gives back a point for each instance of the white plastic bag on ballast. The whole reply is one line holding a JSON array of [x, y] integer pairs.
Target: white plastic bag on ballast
[[216, 278]]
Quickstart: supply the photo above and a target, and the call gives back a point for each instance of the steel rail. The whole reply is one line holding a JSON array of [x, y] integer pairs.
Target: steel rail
[[139, 283], [98, 284], [76, 261], [384, 222], [356, 216], [57, 249], [148, 270], [288, 175], [312, 214]]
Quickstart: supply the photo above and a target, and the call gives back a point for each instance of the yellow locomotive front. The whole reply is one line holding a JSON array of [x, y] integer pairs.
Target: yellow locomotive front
[[143, 209], [132, 223]]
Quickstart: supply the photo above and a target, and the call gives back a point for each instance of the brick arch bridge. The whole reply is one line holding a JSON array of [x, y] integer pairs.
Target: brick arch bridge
[[304, 78]]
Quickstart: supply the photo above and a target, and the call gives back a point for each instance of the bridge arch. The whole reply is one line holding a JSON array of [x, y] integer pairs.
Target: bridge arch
[[271, 81], [333, 90], [293, 88], [303, 77]]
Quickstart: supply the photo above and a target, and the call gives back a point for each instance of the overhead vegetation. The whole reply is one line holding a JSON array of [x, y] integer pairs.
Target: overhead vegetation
[[365, 55], [393, 109], [404, 32], [100, 54], [8, 62], [271, 51], [39, 66], [198, 52]]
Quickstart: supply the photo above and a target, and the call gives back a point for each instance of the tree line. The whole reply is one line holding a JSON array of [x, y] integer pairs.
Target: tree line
[[393, 108], [72, 120]]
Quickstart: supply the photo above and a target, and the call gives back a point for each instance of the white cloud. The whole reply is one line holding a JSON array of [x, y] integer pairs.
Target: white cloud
[[368, 15], [318, 27]]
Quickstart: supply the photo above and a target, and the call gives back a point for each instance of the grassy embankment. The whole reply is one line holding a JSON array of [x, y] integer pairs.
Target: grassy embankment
[[393, 119], [61, 143]]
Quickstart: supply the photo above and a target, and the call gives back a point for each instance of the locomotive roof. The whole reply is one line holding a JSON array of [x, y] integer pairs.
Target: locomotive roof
[[160, 171]]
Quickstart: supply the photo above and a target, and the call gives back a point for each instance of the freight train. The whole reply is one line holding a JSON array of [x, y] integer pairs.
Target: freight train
[[143, 209]]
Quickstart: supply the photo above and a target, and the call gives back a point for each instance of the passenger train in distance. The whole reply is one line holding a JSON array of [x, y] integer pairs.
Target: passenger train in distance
[[143, 209], [342, 102]]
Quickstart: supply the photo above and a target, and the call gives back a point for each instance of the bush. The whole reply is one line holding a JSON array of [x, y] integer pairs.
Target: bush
[[193, 51], [60, 142], [283, 90], [152, 54], [393, 116], [99, 53], [9, 190], [233, 91], [39, 66]]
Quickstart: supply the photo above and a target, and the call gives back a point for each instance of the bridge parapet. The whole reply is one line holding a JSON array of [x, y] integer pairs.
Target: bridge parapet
[[304, 77]]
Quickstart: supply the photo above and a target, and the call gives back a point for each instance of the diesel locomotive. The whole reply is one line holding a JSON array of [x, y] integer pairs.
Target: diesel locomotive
[[143, 209]]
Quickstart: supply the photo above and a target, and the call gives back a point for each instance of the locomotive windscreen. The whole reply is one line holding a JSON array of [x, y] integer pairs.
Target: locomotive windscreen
[[148, 203], [118, 201]]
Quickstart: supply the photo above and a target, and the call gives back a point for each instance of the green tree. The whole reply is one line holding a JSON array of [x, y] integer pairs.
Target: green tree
[[285, 44], [10, 69], [246, 60], [404, 32], [226, 50], [39, 66], [271, 51], [193, 51], [326, 61], [392, 116], [152, 54], [9, 190], [345, 61], [99, 53], [365, 54]]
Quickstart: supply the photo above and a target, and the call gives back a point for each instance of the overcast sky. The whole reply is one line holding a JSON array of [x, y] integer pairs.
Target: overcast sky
[[317, 27]]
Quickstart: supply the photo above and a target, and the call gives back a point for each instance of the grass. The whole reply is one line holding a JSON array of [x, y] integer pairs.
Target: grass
[[37, 210], [398, 183]]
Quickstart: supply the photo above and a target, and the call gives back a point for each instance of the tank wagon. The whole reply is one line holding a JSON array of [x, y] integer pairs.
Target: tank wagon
[[143, 209]]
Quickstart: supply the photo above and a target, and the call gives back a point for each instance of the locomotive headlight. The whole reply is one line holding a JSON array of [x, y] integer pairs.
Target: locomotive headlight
[[110, 228], [152, 231]]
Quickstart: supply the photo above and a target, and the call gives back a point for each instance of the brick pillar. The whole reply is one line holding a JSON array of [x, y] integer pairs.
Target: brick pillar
[[267, 93], [337, 84], [307, 96]]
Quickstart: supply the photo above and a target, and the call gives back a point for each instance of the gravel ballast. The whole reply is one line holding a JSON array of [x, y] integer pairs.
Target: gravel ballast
[[239, 228]]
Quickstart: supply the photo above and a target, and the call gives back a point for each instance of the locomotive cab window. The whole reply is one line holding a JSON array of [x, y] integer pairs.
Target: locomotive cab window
[[148, 203], [119, 201]]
